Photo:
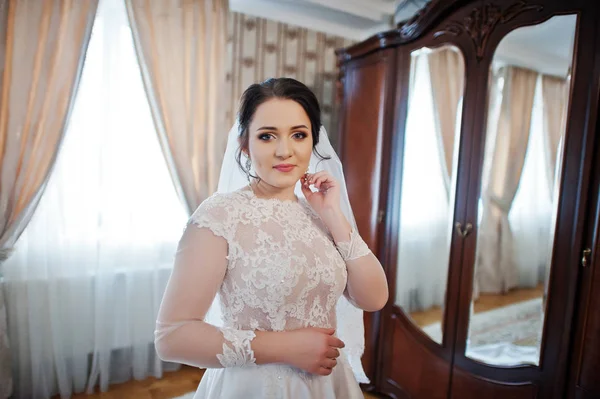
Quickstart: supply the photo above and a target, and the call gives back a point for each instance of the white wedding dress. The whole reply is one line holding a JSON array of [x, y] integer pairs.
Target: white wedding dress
[[282, 271]]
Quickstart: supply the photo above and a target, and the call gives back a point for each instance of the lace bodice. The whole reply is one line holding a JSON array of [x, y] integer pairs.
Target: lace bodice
[[273, 265], [284, 271]]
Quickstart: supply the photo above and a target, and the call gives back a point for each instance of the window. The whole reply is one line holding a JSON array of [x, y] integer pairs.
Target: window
[[110, 201]]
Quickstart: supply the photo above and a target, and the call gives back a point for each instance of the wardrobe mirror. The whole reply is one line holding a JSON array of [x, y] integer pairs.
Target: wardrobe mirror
[[428, 180], [526, 120]]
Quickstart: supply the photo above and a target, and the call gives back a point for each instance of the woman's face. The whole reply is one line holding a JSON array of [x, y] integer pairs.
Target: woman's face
[[280, 142]]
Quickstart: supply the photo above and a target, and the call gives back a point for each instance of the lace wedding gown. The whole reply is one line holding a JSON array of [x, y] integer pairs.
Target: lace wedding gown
[[282, 272]]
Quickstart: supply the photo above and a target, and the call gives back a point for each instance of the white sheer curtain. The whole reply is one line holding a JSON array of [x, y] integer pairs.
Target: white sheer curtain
[[423, 247], [496, 270], [531, 214], [88, 273], [532, 211]]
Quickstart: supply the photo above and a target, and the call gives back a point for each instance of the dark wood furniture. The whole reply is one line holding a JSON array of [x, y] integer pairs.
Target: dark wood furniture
[[400, 359]]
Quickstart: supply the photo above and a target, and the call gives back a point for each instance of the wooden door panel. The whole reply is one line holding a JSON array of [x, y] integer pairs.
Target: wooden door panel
[[467, 385], [585, 370], [368, 94], [417, 372]]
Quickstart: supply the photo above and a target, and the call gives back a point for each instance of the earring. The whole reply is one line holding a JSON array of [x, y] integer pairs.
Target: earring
[[248, 164]]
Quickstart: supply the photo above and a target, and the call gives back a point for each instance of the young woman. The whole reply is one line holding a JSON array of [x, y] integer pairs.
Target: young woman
[[280, 255]]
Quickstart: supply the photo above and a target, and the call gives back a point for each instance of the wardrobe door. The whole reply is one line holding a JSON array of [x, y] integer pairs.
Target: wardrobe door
[[584, 371], [521, 258], [426, 196], [367, 85]]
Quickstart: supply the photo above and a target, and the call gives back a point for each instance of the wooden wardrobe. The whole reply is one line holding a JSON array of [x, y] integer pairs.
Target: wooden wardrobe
[[514, 301]]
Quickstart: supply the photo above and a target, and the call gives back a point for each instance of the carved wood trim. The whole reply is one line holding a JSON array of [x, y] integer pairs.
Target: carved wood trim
[[410, 27], [482, 21], [404, 32]]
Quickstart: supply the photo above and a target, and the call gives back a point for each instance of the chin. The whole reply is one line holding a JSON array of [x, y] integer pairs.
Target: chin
[[282, 181]]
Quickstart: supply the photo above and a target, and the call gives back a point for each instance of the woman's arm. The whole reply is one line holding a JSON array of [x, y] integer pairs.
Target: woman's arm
[[182, 336], [367, 285]]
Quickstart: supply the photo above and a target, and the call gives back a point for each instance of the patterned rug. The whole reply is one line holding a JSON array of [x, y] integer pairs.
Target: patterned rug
[[519, 324]]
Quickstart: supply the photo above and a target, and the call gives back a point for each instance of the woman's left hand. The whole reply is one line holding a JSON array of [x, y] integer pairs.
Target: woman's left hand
[[327, 196]]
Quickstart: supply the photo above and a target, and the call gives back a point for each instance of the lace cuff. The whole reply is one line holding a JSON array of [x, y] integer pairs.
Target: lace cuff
[[237, 351], [353, 249]]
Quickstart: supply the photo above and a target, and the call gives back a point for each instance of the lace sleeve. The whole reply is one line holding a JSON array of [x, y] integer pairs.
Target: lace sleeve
[[181, 333], [353, 249], [217, 214]]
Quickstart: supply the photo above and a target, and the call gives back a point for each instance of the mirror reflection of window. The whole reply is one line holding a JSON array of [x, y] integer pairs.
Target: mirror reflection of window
[[526, 124], [432, 129]]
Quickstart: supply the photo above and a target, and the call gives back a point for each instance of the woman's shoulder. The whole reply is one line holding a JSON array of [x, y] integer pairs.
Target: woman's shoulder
[[220, 209], [221, 200]]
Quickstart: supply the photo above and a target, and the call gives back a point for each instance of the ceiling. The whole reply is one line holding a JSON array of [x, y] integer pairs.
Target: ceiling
[[352, 19]]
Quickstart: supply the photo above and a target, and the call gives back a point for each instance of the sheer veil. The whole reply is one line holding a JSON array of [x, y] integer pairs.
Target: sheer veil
[[350, 327]]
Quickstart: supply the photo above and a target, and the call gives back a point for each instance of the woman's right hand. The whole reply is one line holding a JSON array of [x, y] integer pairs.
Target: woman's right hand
[[313, 349]]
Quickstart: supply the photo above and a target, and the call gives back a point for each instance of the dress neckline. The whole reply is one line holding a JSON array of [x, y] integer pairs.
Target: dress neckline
[[250, 193]]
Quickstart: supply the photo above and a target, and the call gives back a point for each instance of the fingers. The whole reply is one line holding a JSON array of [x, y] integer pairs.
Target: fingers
[[328, 331], [322, 180], [325, 182], [332, 353], [305, 180], [333, 341], [306, 191], [336, 342], [329, 363], [327, 367]]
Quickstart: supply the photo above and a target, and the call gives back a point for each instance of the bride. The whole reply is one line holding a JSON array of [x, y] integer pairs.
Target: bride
[[271, 276]]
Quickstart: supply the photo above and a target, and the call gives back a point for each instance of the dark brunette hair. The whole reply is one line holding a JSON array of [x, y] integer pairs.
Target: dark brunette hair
[[284, 88]]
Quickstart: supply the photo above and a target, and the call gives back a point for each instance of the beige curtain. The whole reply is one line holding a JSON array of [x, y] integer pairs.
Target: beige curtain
[[181, 47], [493, 104], [496, 271], [555, 94], [446, 69], [42, 48]]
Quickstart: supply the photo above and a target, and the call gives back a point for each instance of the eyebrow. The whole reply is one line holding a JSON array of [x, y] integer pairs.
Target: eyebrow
[[274, 128]]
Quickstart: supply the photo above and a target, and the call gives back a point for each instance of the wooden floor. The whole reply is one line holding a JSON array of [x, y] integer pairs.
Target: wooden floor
[[484, 303], [172, 385]]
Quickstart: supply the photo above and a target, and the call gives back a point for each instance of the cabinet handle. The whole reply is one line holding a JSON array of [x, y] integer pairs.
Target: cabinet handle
[[466, 231], [585, 259]]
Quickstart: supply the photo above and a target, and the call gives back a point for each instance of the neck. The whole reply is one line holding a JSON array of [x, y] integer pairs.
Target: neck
[[264, 190]]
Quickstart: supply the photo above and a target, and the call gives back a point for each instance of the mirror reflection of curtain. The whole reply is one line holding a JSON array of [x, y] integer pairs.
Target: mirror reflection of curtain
[[555, 93], [496, 269], [447, 81], [423, 242], [496, 86], [531, 213]]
